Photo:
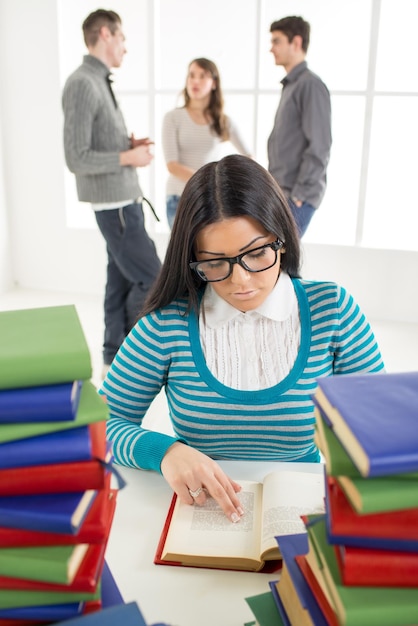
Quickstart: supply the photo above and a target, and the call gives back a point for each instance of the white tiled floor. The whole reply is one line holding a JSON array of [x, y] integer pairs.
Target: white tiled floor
[[398, 341]]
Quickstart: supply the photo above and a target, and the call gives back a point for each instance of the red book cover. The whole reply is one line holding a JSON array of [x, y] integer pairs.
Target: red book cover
[[316, 589], [94, 529], [268, 568], [59, 477], [377, 568], [344, 522]]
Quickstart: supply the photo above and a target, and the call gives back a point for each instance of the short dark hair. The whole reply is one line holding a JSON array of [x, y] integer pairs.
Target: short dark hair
[[291, 26], [95, 21], [235, 186]]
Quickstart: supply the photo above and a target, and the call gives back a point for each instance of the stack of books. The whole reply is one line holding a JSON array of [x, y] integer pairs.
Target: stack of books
[[114, 611], [358, 564], [56, 499]]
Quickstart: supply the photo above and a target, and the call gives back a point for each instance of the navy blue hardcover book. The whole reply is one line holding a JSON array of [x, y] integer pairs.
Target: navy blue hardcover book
[[114, 611], [374, 417], [91, 409], [64, 446], [47, 613], [57, 403], [279, 604], [111, 594], [292, 546], [59, 513], [123, 614]]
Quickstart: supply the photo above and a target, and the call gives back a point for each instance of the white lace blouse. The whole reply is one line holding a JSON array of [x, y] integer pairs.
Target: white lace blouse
[[253, 350]]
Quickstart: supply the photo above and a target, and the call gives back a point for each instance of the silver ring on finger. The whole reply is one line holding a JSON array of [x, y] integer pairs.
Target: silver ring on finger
[[196, 493]]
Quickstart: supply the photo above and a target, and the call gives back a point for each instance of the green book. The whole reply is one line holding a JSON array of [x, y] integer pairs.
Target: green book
[[366, 495], [359, 606], [336, 458], [92, 408], [42, 346], [264, 608], [14, 598], [50, 564], [377, 495]]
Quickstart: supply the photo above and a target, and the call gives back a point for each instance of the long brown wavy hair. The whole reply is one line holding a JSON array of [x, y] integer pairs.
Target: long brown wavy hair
[[235, 186], [215, 110]]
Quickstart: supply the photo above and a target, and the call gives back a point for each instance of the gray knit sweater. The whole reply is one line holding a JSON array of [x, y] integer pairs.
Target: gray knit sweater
[[94, 135]]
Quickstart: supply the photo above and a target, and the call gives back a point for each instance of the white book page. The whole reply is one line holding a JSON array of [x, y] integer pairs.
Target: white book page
[[205, 530], [287, 496]]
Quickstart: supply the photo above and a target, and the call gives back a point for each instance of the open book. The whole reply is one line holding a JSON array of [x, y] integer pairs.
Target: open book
[[202, 536]]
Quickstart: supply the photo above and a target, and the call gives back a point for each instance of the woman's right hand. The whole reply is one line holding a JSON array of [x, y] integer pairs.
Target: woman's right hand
[[185, 468]]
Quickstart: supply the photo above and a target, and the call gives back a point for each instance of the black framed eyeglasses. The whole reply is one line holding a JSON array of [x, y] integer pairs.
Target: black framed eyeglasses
[[256, 260]]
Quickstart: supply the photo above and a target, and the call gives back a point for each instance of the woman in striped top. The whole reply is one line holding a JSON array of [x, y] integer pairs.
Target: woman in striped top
[[235, 337], [195, 134]]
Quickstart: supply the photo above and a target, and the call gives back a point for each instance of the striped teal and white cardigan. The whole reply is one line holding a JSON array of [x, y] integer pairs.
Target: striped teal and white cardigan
[[163, 350]]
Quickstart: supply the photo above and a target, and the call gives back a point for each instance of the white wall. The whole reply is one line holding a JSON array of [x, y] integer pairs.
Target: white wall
[[45, 254], [5, 245], [384, 282], [39, 251]]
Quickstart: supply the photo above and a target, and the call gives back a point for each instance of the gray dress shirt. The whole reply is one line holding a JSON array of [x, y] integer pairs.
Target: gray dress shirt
[[300, 142]]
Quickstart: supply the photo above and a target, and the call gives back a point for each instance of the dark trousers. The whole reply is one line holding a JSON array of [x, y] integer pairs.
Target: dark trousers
[[302, 215], [132, 267]]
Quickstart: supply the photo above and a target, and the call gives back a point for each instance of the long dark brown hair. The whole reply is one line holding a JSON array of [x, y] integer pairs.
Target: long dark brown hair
[[214, 112], [235, 186]]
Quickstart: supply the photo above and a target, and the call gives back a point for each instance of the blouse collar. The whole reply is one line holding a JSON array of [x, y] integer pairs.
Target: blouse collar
[[277, 306]]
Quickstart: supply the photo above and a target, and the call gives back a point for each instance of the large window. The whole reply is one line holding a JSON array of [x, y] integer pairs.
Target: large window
[[364, 60]]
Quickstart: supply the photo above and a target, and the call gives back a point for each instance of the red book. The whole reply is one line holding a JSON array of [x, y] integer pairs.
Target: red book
[[268, 567], [393, 530], [317, 590], [377, 568], [94, 529], [73, 476]]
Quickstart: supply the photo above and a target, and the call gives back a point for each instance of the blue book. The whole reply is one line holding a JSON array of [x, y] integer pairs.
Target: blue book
[[118, 614], [60, 447], [111, 594], [374, 416], [57, 402], [92, 408], [46, 613], [59, 513], [279, 604], [292, 581]]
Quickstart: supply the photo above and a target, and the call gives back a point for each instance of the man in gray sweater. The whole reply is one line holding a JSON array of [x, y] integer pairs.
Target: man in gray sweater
[[104, 160]]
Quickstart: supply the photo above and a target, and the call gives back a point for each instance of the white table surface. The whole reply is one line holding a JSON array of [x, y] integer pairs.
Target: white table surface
[[179, 596]]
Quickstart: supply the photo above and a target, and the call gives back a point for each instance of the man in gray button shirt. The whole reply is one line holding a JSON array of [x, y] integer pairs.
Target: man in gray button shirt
[[300, 142]]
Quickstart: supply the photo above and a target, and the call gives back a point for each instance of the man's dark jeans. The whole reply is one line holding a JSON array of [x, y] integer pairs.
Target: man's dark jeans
[[132, 267]]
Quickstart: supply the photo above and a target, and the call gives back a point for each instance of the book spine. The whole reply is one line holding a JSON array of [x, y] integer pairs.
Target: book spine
[[376, 568], [55, 478]]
